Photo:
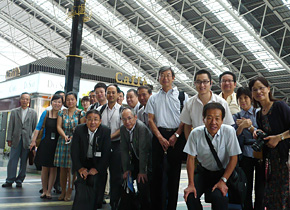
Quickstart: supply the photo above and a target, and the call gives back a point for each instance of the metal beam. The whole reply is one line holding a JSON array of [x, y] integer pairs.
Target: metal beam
[[253, 34]]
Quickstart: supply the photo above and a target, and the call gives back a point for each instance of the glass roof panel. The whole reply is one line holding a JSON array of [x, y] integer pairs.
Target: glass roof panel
[[184, 36], [96, 41], [249, 41], [11, 56], [102, 12]]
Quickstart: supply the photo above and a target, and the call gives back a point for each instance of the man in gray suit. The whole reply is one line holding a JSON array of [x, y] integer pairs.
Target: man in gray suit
[[135, 149], [22, 123]]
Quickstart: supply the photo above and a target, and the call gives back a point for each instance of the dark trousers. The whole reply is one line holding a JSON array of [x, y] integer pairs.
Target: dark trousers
[[115, 167], [204, 181], [165, 173], [143, 188], [249, 165]]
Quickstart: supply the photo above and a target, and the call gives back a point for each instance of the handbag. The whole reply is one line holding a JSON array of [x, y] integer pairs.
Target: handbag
[[129, 199], [85, 196], [237, 183], [40, 133]]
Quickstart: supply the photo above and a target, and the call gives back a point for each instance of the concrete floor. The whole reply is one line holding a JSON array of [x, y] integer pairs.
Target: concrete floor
[[27, 197]]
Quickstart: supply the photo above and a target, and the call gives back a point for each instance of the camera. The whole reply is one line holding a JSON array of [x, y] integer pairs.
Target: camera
[[257, 146]]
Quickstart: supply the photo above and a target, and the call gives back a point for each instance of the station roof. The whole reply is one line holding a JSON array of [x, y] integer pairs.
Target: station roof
[[137, 37]]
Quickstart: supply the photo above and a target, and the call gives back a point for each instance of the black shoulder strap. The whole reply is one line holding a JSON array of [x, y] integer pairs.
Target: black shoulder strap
[[181, 98], [121, 109], [213, 151], [103, 108]]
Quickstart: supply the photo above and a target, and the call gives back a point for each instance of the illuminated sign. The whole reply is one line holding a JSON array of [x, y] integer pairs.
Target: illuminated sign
[[126, 80]]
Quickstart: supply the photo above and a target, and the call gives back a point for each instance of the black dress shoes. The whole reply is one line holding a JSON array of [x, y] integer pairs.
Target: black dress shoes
[[19, 184], [6, 184]]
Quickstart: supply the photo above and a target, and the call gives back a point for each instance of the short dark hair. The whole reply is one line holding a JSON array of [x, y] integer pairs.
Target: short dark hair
[[24, 93], [230, 73], [71, 93], [94, 111], [145, 87], [59, 92], [122, 93], [100, 85], [134, 91], [244, 91], [202, 72], [213, 106], [92, 91], [165, 68], [85, 98], [56, 97], [115, 85]]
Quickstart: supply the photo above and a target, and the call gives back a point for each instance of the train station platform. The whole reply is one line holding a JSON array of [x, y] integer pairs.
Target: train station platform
[[28, 197]]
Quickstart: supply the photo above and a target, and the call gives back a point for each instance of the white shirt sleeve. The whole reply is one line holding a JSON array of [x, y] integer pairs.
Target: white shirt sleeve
[[190, 147], [150, 106], [228, 116], [185, 114], [233, 146]]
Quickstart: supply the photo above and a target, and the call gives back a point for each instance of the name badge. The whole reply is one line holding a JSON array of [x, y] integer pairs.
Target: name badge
[[98, 154], [52, 136]]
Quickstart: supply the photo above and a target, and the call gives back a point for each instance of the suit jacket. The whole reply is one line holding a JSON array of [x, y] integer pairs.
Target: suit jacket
[[16, 129], [101, 143], [142, 138]]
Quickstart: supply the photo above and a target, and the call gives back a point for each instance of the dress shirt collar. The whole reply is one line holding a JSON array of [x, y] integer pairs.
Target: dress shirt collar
[[215, 136], [92, 133], [170, 91], [250, 111], [114, 107], [132, 129]]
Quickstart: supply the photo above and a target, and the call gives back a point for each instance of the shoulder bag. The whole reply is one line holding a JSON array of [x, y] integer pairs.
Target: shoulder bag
[[40, 133], [237, 183]]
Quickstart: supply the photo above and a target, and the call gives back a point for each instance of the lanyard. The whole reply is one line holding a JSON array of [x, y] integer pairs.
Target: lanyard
[[109, 118]]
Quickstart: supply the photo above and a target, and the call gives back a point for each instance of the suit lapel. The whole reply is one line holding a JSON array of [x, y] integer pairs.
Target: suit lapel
[[87, 139], [96, 137], [19, 115]]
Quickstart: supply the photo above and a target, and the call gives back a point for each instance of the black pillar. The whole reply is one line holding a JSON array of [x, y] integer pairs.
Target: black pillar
[[74, 60]]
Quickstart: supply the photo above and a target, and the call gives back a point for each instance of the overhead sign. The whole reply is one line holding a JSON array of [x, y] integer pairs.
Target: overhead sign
[[126, 80]]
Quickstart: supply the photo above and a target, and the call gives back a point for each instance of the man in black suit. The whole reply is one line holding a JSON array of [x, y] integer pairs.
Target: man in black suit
[[90, 150]]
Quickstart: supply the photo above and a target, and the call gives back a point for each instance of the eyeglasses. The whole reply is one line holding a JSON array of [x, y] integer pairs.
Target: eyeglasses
[[225, 81], [167, 76], [198, 82], [255, 90], [127, 119]]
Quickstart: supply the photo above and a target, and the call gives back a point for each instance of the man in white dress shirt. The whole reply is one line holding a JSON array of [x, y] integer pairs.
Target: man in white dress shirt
[[208, 177], [191, 114]]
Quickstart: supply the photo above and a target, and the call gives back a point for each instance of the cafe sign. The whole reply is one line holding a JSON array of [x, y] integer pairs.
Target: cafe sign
[[126, 80]]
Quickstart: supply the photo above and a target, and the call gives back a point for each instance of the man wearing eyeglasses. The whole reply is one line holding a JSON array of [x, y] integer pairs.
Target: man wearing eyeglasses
[[163, 110], [228, 84], [135, 153], [191, 114]]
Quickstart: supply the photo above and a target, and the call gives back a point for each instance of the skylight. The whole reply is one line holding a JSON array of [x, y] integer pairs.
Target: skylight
[[128, 33], [249, 41], [184, 36], [96, 41]]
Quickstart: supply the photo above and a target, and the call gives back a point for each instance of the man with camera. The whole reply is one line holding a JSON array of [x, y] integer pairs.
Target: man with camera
[[208, 177]]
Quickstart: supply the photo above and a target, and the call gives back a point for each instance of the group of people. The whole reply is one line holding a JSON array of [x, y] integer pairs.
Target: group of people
[[147, 140]]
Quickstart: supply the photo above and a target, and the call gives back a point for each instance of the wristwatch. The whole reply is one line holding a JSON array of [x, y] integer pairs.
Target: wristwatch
[[177, 135], [249, 128], [224, 179]]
